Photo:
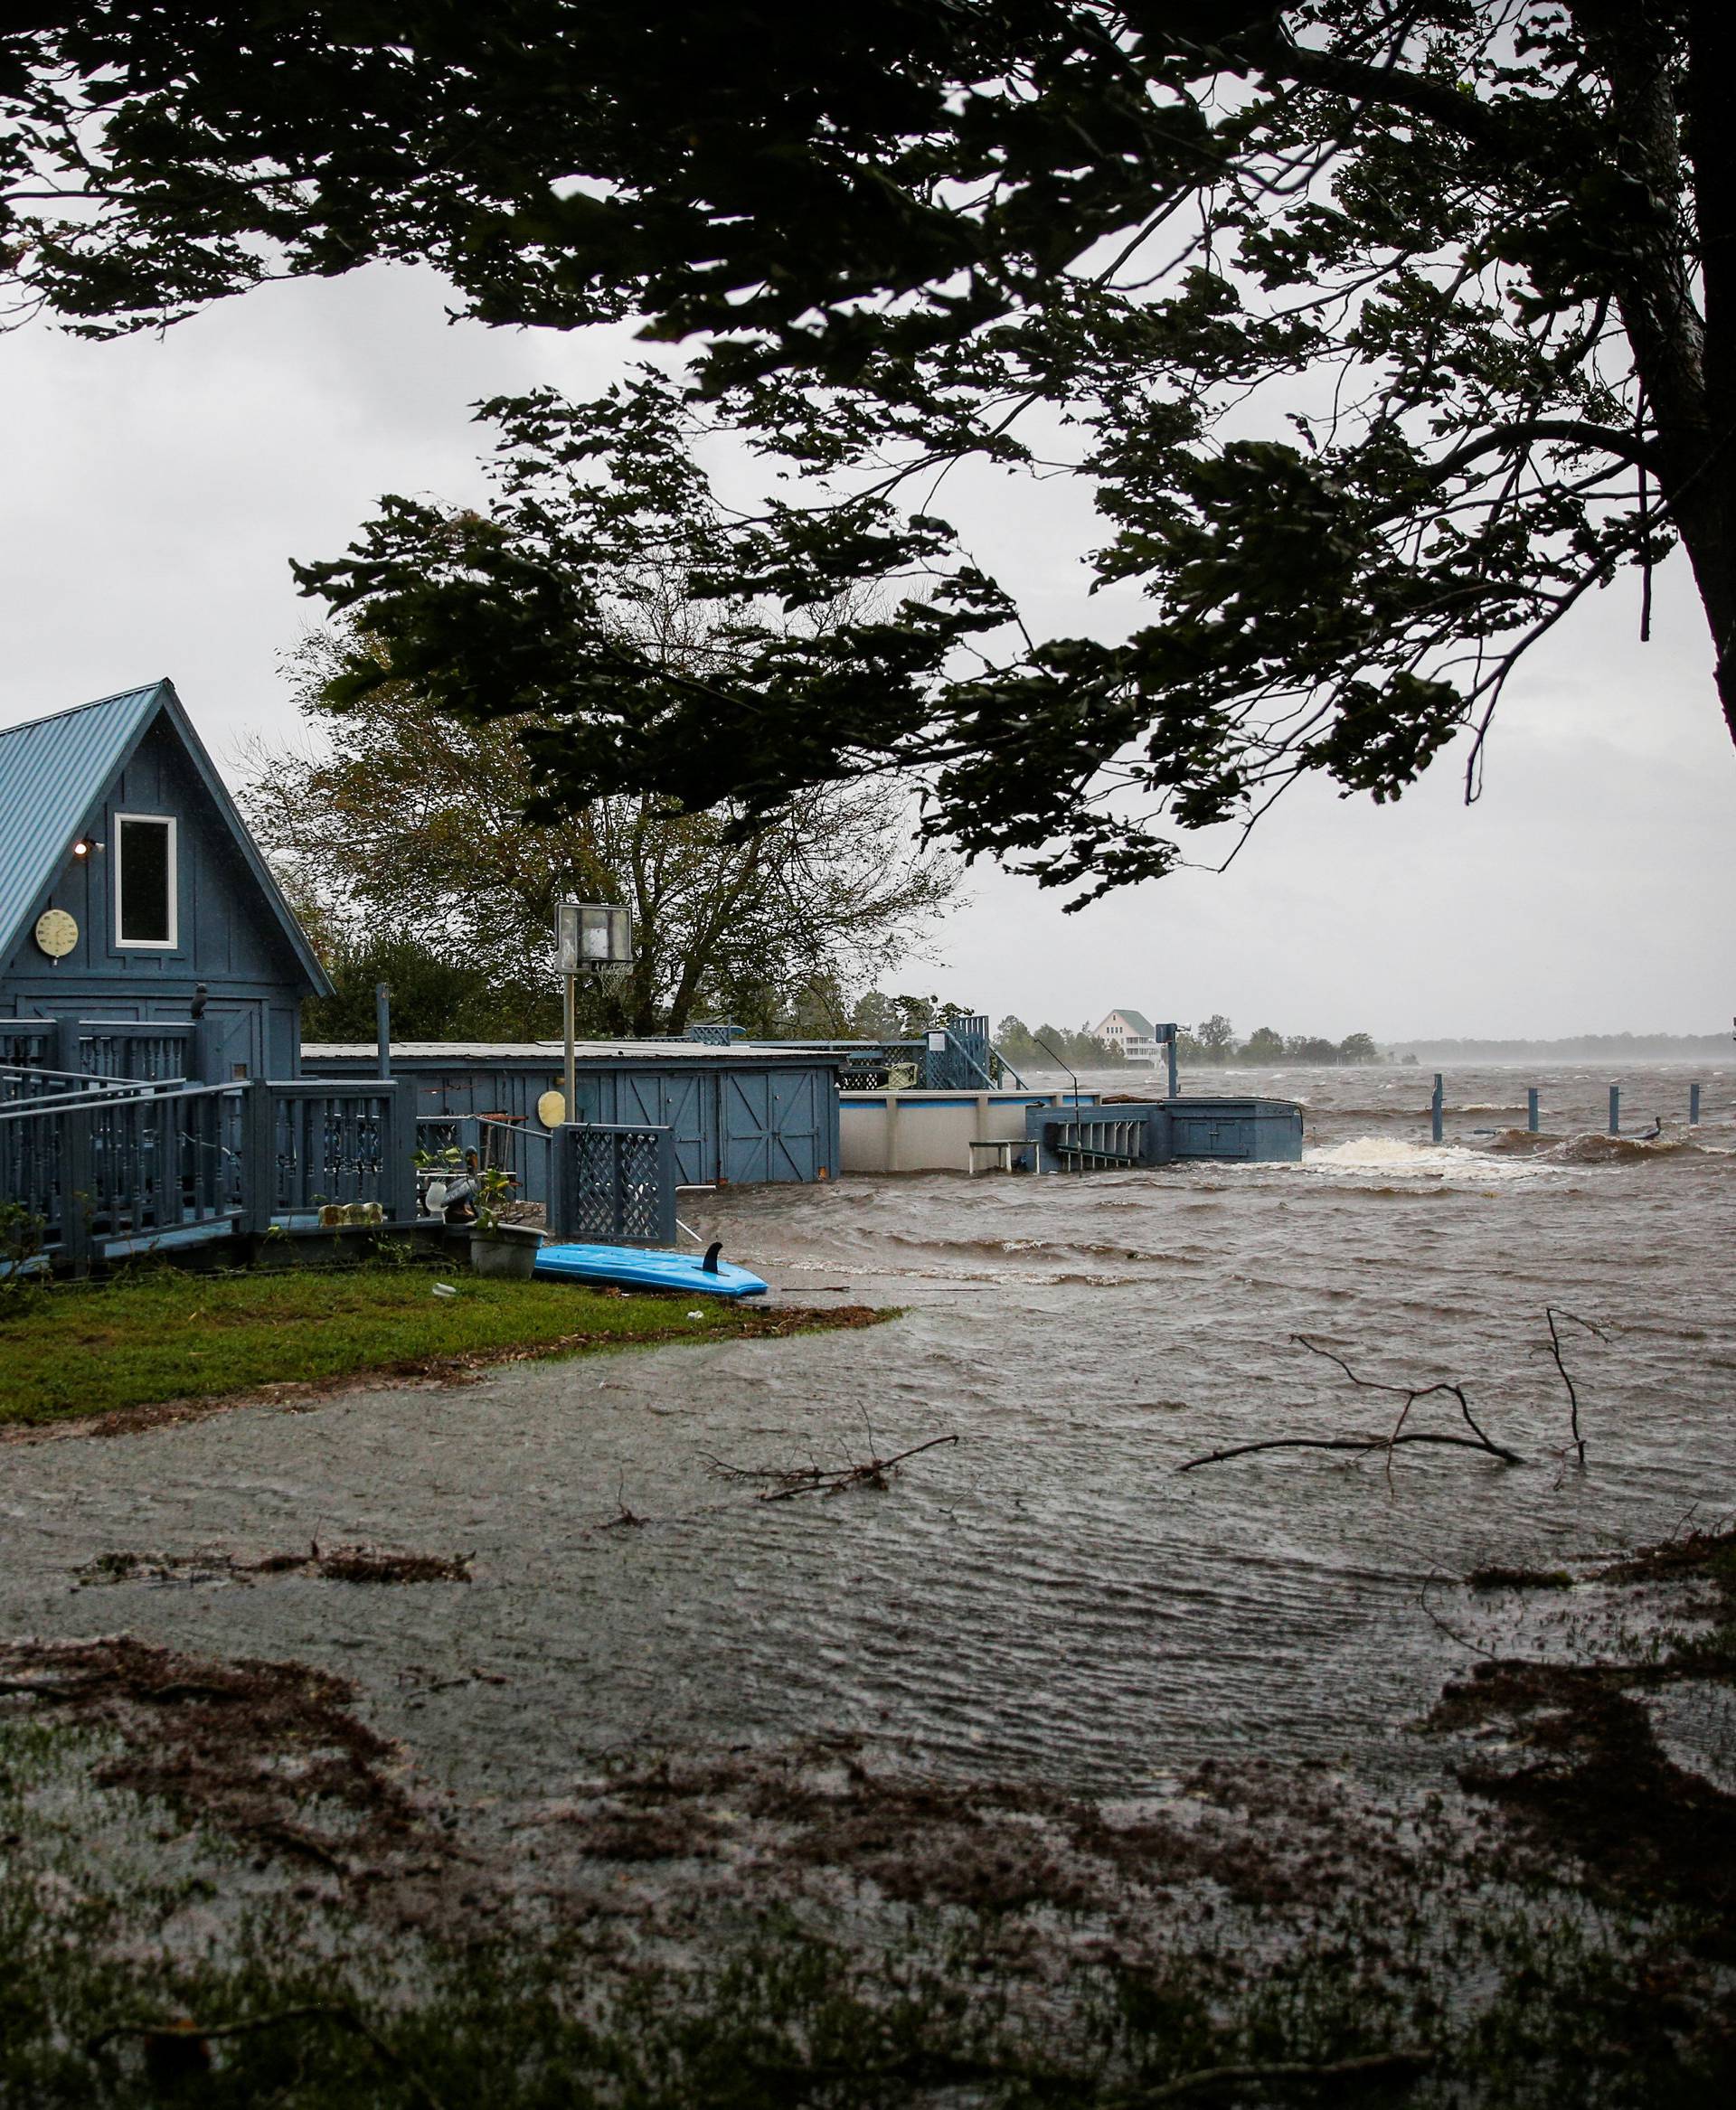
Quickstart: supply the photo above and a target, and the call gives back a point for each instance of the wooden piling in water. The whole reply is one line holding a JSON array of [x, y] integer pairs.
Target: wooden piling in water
[[1532, 1109]]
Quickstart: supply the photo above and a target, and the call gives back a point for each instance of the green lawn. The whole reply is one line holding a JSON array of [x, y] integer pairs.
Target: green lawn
[[140, 1340]]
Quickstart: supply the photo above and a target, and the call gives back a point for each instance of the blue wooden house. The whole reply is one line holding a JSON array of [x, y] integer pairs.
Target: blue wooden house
[[152, 1088], [127, 880]]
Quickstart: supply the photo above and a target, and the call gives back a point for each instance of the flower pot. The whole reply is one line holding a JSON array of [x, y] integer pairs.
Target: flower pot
[[508, 1250]]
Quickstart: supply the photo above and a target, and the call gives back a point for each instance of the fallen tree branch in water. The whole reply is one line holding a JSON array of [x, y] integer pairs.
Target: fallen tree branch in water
[[1479, 1439], [783, 1483], [1452, 1633], [1551, 1313], [1363, 1444]]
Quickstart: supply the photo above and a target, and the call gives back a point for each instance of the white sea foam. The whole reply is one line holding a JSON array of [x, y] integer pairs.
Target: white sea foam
[[1385, 1157]]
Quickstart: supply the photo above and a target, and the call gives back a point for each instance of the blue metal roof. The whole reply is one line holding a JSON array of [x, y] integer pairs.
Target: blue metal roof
[[54, 771], [51, 771]]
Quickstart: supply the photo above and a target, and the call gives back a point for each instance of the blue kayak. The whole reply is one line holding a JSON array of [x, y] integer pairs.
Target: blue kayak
[[633, 1267]]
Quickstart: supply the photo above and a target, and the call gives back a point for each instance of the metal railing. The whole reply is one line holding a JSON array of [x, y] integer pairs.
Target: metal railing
[[1089, 1143], [31, 1081], [139, 1050], [484, 1142]]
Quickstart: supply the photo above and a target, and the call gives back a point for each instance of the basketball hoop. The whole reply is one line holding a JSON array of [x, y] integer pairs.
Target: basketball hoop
[[590, 937]]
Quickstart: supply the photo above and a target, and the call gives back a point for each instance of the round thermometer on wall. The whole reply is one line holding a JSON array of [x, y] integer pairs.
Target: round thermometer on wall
[[57, 932]]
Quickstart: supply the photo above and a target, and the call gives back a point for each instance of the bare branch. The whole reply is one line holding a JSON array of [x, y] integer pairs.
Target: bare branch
[[1551, 1313], [784, 1483], [1479, 1439]]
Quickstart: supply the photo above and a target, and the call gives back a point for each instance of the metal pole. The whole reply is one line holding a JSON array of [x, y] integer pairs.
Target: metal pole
[[1615, 1109], [1169, 1048], [1531, 1109], [568, 1006], [1435, 1109], [382, 1026], [1078, 1155], [1693, 1105]]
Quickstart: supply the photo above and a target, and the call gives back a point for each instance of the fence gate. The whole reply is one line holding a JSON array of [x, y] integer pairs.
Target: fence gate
[[614, 1184]]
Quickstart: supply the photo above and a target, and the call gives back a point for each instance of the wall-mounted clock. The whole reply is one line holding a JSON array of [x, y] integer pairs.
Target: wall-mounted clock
[[57, 932]]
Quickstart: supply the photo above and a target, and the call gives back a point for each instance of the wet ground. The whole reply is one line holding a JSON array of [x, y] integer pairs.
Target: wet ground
[[1048, 1600], [1308, 1752]]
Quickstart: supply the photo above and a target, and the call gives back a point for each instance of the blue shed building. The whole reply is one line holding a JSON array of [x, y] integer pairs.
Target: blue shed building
[[736, 1114], [128, 878]]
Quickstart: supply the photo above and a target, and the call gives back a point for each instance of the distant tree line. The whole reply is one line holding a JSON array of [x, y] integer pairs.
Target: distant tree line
[[1211, 1042], [1081, 1051], [1215, 1040]]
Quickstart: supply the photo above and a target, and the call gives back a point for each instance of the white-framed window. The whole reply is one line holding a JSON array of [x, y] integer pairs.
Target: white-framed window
[[147, 889]]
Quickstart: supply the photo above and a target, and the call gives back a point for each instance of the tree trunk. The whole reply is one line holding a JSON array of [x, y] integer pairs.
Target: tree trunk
[[1712, 155], [1684, 363]]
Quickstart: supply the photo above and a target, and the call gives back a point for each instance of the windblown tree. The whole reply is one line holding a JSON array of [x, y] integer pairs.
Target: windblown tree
[[1384, 332], [409, 837]]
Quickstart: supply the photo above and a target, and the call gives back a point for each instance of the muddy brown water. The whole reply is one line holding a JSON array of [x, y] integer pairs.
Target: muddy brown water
[[1050, 1600]]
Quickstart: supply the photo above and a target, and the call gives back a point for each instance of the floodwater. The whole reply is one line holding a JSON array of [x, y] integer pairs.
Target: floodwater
[[1051, 1597]]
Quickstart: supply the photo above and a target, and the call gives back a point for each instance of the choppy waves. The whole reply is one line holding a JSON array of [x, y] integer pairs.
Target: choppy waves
[[1388, 1158]]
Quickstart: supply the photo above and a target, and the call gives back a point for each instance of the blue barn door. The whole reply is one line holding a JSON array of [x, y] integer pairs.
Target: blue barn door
[[774, 1124], [638, 1099], [744, 1125], [1214, 1135], [687, 1111], [236, 1042], [798, 1126]]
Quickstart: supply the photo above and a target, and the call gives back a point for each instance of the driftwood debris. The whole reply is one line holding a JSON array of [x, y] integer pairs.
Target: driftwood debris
[[784, 1482], [1398, 1435], [1551, 1313], [349, 1564]]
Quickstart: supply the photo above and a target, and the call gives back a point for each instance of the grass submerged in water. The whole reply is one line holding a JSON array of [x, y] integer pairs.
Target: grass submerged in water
[[157, 1333], [137, 1936]]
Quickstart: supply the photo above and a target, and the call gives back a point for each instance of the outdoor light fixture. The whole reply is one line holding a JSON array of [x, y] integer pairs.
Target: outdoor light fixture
[[81, 848]]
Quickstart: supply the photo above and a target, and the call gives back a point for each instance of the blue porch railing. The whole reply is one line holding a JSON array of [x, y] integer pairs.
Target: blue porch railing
[[102, 1173], [153, 1050]]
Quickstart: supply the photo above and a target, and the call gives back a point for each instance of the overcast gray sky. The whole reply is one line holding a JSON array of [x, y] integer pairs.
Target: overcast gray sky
[[156, 489]]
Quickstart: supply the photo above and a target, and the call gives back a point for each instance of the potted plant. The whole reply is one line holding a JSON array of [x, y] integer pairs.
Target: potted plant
[[496, 1246]]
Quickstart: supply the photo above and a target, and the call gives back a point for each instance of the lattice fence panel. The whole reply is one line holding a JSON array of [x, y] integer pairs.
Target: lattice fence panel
[[615, 1185]]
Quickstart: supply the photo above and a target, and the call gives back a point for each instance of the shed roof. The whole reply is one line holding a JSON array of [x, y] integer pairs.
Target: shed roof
[[53, 770], [463, 1054]]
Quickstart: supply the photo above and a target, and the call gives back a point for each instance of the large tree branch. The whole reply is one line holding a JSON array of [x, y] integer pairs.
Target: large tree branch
[[1626, 445], [1276, 54]]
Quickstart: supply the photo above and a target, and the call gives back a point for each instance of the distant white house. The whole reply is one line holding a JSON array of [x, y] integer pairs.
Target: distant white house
[[1132, 1033]]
